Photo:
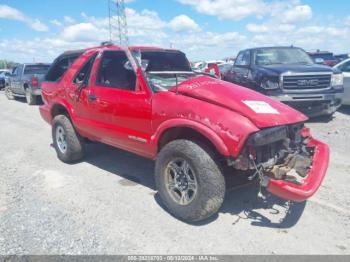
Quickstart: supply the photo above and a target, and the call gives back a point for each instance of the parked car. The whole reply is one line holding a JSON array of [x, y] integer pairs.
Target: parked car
[[323, 58], [345, 68], [149, 101], [342, 57], [4, 75], [202, 66], [25, 81], [289, 75]]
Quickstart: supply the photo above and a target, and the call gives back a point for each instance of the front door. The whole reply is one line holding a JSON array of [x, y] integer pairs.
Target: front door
[[120, 105], [241, 69]]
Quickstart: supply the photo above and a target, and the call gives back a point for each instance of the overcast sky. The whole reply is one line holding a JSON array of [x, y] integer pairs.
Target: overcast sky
[[40, 30]]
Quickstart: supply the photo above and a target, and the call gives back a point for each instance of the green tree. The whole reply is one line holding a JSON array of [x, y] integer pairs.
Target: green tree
[[6, 63]]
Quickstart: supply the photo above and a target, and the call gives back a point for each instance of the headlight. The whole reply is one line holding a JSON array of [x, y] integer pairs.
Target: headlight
[[337, 79], [269, 85]]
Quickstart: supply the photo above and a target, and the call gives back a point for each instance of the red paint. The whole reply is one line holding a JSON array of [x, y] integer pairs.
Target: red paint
[[34, 81], [231, 96], [212, 107], [308, 188], [214, 70]]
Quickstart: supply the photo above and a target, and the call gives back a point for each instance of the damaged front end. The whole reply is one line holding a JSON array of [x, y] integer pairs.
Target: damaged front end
[[287, 160]]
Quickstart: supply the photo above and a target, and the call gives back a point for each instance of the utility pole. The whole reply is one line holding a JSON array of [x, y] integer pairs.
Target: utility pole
[[118, 27]]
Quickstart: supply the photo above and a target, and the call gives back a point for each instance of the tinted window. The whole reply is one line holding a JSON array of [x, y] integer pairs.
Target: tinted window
[[273, 56], [84, 74], [165, 61], [59, 67], [113, 72], [36, 69]]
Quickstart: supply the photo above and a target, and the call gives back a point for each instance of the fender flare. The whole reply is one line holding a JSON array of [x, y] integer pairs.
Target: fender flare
[[65, 105], [200, 128]]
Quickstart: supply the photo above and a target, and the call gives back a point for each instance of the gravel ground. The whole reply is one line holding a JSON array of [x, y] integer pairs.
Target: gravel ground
[[107, 204]]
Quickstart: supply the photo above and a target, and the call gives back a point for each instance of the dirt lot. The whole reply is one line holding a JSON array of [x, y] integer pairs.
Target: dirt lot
[[107, 204]]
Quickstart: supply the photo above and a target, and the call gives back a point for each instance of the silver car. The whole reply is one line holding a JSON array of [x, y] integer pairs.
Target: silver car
[[344, 66]]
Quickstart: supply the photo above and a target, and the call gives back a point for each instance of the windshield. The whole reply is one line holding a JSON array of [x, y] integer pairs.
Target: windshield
[[272, 56], [164, 69], [36, 69]]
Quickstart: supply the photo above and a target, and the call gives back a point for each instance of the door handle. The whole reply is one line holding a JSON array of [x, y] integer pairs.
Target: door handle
[[92, 98]]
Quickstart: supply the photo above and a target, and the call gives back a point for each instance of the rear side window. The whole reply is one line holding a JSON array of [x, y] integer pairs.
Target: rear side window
[[60, 67], [84, 73], [36, 69]]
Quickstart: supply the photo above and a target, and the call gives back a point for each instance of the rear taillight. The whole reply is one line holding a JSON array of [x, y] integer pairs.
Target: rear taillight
[[34, 81]]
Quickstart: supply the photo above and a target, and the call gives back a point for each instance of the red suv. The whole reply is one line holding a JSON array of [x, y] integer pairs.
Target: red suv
[[148, 101]]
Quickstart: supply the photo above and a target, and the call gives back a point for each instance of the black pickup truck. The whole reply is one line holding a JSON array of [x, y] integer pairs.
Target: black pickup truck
[[289, 75]]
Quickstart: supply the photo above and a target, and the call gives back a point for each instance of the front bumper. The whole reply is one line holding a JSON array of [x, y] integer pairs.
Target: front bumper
[[312, 104], [309, 186]]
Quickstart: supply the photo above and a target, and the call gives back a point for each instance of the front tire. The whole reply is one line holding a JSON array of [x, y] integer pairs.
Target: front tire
[[189, 180], [9, 93], [31, 99], [69, 145]]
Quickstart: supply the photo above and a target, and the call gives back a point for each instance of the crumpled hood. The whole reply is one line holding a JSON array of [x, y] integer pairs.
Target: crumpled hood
[[261, 110]]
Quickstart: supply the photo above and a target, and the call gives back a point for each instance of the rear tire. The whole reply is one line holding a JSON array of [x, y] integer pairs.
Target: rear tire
[[205, 172], [9, 93], [31, 99], [69, 145]]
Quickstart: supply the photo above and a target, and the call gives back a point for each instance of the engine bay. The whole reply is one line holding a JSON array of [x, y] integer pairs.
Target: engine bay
[[279, 153]]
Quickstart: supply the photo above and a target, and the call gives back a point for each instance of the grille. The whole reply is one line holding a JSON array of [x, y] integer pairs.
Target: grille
[[304, 82]]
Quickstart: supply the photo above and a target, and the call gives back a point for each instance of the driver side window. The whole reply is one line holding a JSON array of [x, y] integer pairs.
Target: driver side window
[[114, 73], [243, 59]]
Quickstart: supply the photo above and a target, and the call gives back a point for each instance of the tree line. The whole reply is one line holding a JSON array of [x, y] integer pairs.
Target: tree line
[[6, 63]]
